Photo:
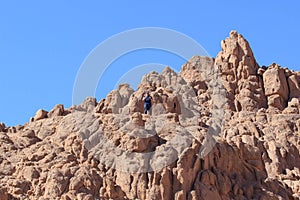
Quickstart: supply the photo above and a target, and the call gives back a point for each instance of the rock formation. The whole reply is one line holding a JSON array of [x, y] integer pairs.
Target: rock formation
[[239, 72], [221, 129]]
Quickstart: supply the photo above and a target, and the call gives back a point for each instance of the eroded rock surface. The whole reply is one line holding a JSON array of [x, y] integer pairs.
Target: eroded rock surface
[[221, 129]]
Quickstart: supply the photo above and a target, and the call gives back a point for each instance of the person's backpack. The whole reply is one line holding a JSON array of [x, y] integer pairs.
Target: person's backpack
[[148, 100]]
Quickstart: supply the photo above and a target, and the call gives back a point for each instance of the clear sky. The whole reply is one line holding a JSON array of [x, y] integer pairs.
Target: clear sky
[[43, 43]]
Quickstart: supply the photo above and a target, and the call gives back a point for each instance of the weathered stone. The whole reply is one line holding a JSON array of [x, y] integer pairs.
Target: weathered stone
[[3, 194], [276, 87], [116, 100], [240, 75], [2, 127], [294, 86], [202, 140], [58, 110], [40, 114]]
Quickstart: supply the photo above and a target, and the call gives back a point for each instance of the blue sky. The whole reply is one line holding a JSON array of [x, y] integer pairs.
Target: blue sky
[[43, 43]]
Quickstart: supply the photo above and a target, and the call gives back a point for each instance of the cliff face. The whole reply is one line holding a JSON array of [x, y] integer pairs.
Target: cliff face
[[222, 128]]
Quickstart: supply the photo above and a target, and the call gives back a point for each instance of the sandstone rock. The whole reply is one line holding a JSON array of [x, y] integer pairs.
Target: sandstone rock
[[195, 71], [139, 140], [88, 105], [30, 173], [293, 107], [239, 71], [56, 184], [125, 92], [276, 88], [233, 136], [2, 127], [58, 110], [294, 86], [40, 114], [3, 194], [137, 120], [115, 100]]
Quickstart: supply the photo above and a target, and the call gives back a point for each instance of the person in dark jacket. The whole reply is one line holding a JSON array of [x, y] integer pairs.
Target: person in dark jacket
[[147, 102]]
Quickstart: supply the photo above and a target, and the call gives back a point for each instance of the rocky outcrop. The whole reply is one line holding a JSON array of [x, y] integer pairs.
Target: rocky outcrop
[[58, 110], [239, 71], [222, 128], [276, 87], [40, 114], [2, 127], [115, 100]]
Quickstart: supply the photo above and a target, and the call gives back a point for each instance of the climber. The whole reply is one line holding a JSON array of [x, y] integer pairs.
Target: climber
[[147, 102]]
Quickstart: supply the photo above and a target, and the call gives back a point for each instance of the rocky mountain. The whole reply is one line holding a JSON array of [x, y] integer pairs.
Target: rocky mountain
[[223, 128]]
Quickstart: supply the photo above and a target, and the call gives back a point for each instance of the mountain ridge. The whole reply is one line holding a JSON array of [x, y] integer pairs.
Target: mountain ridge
[[222, 128]]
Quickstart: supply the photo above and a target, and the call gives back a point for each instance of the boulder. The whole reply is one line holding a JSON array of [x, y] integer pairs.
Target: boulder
[[40, 114], [294, 86], [276, 87], [58, 110], [2, 127]]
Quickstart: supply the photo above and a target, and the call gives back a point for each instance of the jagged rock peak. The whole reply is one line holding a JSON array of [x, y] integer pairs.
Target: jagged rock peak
[[251, 87], [236, 45], [169, 70], [239, 69]]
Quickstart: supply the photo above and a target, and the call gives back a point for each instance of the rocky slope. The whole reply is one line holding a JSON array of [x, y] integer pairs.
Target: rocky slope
[[221, 129]]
